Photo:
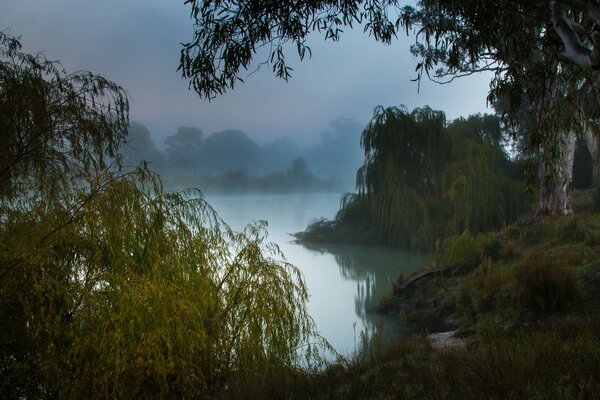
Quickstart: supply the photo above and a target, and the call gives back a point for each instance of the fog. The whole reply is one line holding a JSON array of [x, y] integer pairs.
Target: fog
[[137, 43], [191, 153]]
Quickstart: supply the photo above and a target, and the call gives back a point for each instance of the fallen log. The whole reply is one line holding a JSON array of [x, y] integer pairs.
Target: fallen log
[[427, 274]]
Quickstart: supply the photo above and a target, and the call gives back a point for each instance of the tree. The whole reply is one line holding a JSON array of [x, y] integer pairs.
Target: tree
[[184, 149], [56, 127], [338, 153], [228, 34], [230, 150], [529, 45], [424, 180], [139, 148], [110, 285]]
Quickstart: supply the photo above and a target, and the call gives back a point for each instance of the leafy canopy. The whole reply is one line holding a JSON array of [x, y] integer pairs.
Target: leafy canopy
[[111, 287], [56, 127], [424, 180]]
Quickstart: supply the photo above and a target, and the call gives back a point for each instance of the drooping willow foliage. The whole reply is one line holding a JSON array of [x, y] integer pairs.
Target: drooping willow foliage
[[112, 288], [53, 123], [140, 293], [424, 180]]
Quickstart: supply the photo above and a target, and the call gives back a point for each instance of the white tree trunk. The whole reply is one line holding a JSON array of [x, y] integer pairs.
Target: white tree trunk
[[592, 140], [555, 197]]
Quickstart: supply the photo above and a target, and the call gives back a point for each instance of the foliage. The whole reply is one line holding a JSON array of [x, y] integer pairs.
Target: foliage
[[143, 293], [184, 148], [229, 34], [110, 287], [488, 289], [295, 179], [461, 249], [465, 35], [554, 364], [56, 127], [139, 148], [544, 284], [422, 182], [542, 54]]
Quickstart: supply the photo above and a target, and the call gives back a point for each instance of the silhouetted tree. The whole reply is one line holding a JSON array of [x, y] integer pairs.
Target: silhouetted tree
[[184, 149], [139, 147], [338, 153], [276, 154], [229, 150]]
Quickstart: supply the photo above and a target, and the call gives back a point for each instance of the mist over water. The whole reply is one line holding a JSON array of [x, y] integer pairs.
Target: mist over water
[[345, 282], [189, 156]]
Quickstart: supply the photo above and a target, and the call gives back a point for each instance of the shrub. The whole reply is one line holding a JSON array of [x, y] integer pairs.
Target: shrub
[[461, 249], [486, 289], [544, 284], [490, 245]]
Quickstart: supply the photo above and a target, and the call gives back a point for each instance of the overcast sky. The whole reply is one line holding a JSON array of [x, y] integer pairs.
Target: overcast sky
[[136, 43]]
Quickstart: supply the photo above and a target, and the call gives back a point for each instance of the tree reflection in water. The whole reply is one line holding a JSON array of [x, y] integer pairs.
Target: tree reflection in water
[[373, 268]]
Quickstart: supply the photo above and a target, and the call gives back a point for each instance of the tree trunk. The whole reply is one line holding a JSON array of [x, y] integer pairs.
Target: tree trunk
[[555, 197], [592, 140]]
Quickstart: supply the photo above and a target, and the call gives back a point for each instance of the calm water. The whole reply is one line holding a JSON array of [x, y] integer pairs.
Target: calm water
[[345, 282]]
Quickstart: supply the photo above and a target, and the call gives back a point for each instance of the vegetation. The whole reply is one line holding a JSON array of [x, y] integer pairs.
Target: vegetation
[[543, 55], [294, 180], [423, 181], [524, 305], [110, 287], [231, 162]]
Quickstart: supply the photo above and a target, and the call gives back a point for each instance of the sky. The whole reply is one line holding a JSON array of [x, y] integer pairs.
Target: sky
[[136, 43]]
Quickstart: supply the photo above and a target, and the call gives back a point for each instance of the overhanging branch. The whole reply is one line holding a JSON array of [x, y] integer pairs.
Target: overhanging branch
[[574, 51]]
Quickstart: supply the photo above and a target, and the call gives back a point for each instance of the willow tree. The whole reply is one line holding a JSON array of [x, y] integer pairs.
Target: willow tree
[[56, 127], [110, 287], [423, 181], [481, 184], [405, 153]]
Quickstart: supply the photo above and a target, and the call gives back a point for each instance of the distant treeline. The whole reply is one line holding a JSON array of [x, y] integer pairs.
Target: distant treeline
[[424, 180], [296, 179], [231, 161]]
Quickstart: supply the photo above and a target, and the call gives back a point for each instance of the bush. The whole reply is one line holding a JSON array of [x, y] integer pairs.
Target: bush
[[545, 285], [460, 249], [141, 294], [488, 288]]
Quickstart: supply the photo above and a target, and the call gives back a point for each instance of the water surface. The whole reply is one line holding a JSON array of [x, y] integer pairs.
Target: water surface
[[345, 282]]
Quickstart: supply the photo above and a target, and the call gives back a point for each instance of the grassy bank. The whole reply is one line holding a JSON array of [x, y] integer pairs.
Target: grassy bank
[[526, 300]]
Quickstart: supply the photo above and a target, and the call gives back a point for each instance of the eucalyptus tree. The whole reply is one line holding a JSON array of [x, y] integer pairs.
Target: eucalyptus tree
[[529, 45], [229, 33]]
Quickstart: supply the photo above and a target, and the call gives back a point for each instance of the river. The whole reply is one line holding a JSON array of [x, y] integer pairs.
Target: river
[[345, 282]]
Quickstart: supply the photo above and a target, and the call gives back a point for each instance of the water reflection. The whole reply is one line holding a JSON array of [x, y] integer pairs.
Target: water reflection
[[373, 269], [345, 282]]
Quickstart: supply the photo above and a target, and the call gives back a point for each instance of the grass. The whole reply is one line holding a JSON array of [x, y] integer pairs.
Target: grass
[[529, 307]]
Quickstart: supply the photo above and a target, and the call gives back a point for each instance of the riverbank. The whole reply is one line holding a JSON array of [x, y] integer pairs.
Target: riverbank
[[525, 307]]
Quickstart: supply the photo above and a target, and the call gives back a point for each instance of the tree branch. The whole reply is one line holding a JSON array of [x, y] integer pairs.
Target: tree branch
[[574, 50]]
